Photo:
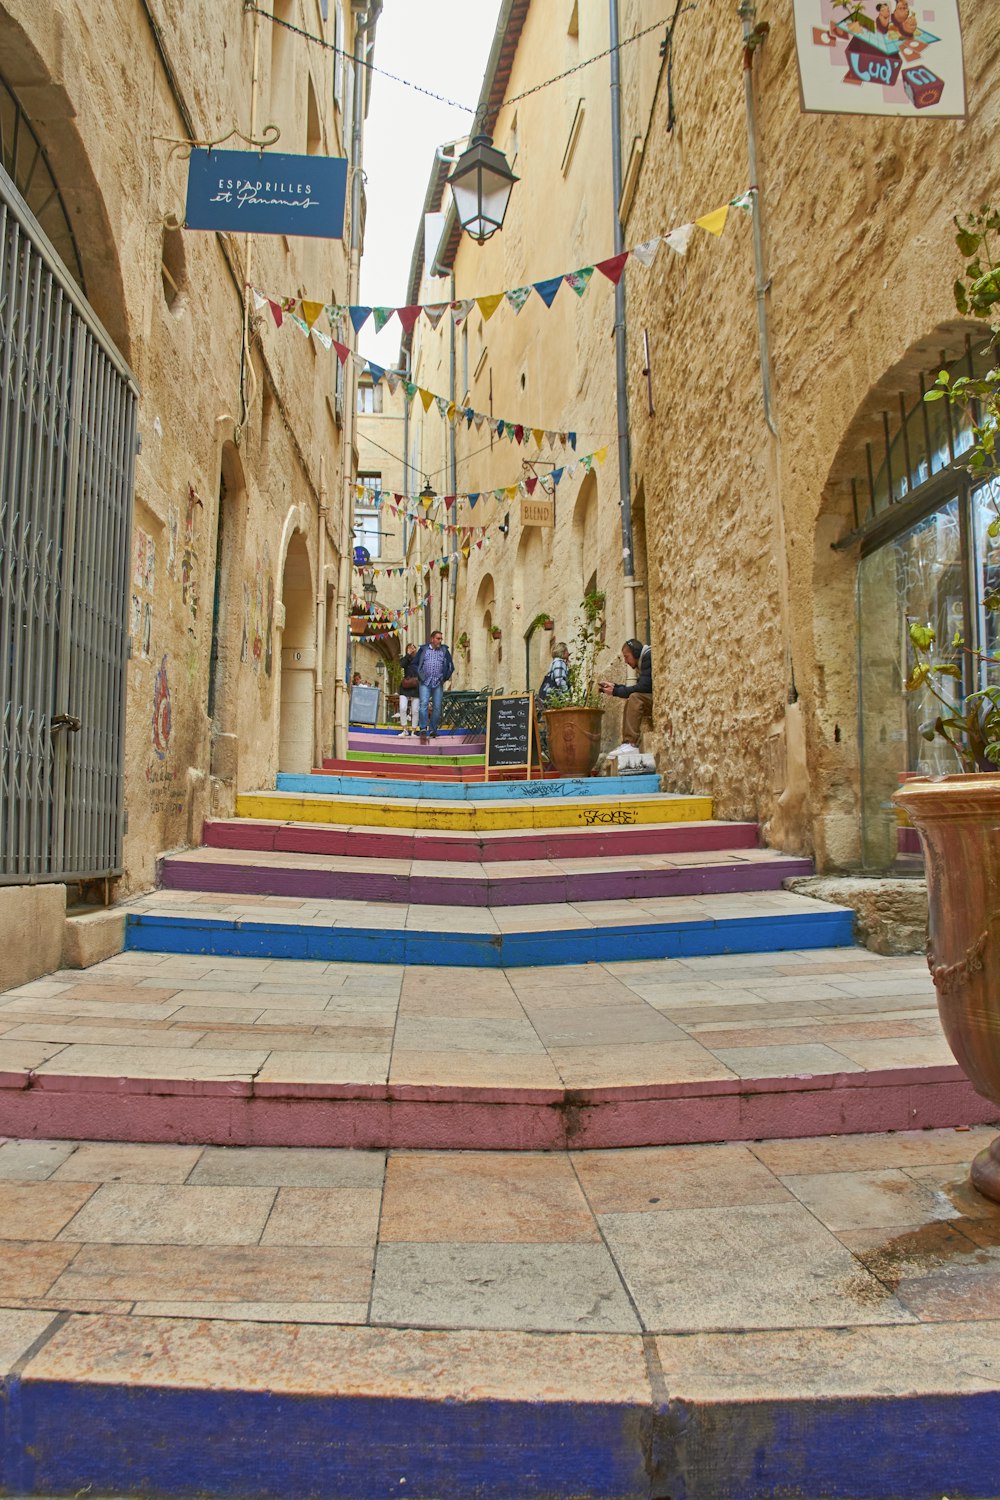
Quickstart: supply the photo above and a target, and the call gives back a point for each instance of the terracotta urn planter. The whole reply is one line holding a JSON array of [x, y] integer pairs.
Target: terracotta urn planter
[[958, 819], [574, 739]]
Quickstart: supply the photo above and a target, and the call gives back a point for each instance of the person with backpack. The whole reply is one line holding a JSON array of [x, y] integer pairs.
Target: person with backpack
[[409, 692], [555, 683]]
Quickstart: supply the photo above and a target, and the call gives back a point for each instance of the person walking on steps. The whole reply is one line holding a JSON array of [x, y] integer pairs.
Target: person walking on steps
[[409, 692], [434, 667], [638, 695]]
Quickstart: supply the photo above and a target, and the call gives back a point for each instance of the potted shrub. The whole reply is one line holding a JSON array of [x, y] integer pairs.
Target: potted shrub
[[496, 632], [573, 719], [463, 643], [957, 816], [544, 621]]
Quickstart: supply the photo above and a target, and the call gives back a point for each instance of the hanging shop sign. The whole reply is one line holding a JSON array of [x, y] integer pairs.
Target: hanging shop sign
[[538, 513], [880, 57], [255, 192]]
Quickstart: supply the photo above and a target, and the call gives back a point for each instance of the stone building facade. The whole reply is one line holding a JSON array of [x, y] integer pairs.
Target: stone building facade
[[788, 556], [238, 555], [779, 555]]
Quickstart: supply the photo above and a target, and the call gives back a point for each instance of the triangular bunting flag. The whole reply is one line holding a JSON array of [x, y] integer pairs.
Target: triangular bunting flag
[[276, 312], [679, 239], [311, 311], [410, 388], [376, 371], [300, 323], [645, 253], [518, 297], [382, 316], [579, 280], [359, 317], [392, 379], [408, 316], [744, 201], [613, 267], [426, 397], [715, 222], [531, 483], [555, 476], [519, 433], [324, 338], [538, 435], [601, 455], [259, 300], [434, 312], [342, 352], [488, 305], [442, 405], [547, 289], [472, 500], [479, 419], [461, 310], [572, 440], [551, 438]]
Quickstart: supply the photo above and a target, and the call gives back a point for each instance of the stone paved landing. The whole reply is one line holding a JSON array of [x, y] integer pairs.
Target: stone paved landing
[[174, 1047], [721, 1315]]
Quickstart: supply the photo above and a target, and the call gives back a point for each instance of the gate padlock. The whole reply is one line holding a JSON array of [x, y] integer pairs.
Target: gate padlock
[[65, 721]]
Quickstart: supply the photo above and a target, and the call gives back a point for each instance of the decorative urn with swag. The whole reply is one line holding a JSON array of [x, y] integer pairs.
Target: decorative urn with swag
[[573, 719], [958, 816]]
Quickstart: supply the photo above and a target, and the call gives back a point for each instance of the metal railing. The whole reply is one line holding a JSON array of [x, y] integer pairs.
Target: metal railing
[[67, 454]]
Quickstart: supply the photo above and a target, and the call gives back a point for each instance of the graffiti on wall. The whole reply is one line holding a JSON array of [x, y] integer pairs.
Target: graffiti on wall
[[161, 720]]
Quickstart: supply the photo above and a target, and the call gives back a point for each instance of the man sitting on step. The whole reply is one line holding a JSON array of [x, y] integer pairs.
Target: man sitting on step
[[638, 695], [433, 668]]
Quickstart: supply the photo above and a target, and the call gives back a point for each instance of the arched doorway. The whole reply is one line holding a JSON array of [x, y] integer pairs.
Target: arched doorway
[[529, 587], [584, 544], [903, 537], [298, 660], [485, 651], [226, 595]]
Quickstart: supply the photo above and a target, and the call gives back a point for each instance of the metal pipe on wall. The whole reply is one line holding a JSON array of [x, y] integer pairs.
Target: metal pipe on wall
[[363, 26], [621, 369]]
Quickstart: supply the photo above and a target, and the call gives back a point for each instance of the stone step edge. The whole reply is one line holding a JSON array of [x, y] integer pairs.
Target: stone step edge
[[227, 1409], [592, 813], [461, 888], [502, 793], [249, 1111], [152, 931], [283, 836]]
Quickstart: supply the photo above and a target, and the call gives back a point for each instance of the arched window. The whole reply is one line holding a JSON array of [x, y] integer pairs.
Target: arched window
[[26, 164]]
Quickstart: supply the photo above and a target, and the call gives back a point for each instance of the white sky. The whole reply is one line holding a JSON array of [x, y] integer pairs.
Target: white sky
[[442, 45]]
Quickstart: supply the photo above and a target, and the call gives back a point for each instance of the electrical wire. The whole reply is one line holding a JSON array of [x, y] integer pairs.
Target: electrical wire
[[468, 109]]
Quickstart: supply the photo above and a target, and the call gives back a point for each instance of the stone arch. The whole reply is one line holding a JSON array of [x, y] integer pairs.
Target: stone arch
[[585, 556], [224, 654], [54, 119], [844, 657], [529, 588], [482, 648], [297, 689]]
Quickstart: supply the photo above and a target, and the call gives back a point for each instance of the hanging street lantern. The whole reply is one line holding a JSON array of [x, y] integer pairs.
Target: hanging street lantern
[[427, 495], [481, 184], [369, 586]]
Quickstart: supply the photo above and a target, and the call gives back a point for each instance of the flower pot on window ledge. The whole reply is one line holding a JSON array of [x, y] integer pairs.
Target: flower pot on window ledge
[[958, 820]]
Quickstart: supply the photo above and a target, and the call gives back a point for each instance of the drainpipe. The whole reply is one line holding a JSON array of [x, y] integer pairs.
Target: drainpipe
[[321, 520], [452, 483], [752, 39], [621, 371], [364, 25]]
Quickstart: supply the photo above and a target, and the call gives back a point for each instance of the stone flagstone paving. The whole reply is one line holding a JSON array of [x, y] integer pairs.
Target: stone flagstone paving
[[862, 1231]]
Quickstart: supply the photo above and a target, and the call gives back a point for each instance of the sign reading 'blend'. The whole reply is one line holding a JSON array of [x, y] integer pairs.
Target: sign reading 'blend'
[[255, 192]]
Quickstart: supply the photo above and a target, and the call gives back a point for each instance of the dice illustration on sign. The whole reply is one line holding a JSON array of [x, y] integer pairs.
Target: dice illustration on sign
[[923, 88]]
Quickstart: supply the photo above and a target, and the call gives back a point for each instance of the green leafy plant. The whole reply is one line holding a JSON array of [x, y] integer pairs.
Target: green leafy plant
[[544, 621], [582, 691], [971, 727], [496, 632], [463, 642]]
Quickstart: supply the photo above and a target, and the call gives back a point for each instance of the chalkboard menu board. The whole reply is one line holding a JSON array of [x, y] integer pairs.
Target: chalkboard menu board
[[364, 704], [512, 735]]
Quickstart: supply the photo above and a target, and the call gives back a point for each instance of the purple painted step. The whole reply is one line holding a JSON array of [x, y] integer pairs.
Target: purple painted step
[[716, 874], [415, 771], [388, 744], [401, 843]]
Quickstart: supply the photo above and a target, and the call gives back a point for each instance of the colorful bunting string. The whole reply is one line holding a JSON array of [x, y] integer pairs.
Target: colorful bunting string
[[678, 240]]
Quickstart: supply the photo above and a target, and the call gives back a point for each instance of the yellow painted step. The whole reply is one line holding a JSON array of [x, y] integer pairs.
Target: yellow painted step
[[475, 817]]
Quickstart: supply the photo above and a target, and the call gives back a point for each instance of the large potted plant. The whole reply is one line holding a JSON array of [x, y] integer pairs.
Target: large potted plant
[[573, 718], [958, 816]]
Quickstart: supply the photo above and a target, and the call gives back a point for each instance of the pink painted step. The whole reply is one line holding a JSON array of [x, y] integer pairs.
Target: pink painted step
[[414, 771], [364, 842], [394, 744], [399, 1116]]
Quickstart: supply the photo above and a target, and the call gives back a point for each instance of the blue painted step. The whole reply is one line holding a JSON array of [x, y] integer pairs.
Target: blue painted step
[[154, 932], [468, 791]]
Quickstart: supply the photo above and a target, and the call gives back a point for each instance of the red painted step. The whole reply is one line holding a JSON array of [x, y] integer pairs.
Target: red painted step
[[517, 844]]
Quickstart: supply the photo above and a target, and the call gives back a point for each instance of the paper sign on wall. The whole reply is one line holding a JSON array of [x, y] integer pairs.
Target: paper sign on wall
[[880, 57], [258, 192]]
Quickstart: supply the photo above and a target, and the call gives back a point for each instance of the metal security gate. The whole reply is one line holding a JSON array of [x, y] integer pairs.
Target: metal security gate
[[67, 453]]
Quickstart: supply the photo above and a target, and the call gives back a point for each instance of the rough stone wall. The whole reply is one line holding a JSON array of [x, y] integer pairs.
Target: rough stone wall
[[740, 523], [106, 107]]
